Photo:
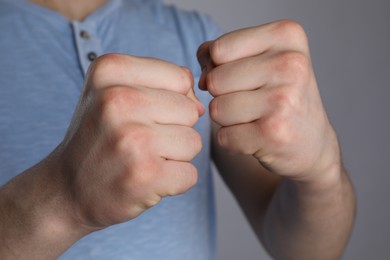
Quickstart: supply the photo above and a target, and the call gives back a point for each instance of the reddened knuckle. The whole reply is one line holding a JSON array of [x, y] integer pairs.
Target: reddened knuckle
[[276, 130], [294, 66], [140, 137], [285, 100], [114, 100], [114, 95], [132, 140], [110, 101]]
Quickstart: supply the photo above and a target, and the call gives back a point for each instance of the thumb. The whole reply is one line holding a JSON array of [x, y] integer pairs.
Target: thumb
[[205, 62], [199, 105], [191, 95]]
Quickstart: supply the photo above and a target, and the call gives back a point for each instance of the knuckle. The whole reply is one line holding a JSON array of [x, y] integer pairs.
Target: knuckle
[[193, 115], [114, 100], [285, 100], [196, 141], [216, 51], [186, 81], [110, 67], [133, 140], [107, 63], [192, 175], [141, 176], [211, 79], [293, 66], [187, 109], [202, 51], [290, 29], [139, 138], [231, 140], [213, 108], [276, 131], [189, 177]]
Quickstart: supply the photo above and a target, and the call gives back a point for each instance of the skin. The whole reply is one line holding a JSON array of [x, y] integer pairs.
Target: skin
[[71, 9], [273, 144], [287, 174]]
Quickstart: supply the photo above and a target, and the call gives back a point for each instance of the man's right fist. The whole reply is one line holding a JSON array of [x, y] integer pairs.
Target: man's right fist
[[131, 140]]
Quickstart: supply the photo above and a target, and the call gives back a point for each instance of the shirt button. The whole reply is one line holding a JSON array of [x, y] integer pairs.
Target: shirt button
[[84, 35], [91, 56]]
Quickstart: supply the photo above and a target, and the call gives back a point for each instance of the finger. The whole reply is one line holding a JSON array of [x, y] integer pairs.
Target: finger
[[177, 143], [268, 70], [239, 107], [203, 54], [175, 178], [124, 70], [173, 108], [205, 62], [246, 74], [199, 105], [280, 35], [242, 139], [146, 105]]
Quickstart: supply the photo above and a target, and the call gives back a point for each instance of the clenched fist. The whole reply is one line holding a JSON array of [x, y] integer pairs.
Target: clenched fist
[[131, 140], [266, 99]]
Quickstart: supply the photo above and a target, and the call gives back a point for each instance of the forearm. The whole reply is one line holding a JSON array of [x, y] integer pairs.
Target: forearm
[[34, 217], [307, 220]]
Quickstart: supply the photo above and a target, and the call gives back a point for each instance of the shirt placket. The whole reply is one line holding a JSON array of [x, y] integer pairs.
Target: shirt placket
[[87, 43]]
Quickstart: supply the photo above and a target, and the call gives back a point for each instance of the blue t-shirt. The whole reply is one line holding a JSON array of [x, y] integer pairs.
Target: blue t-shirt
[[43, 61]]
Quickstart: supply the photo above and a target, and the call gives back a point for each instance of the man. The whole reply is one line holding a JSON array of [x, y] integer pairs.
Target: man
[[138, 126]]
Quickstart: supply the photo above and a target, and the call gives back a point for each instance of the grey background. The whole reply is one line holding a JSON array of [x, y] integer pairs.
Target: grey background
[[350, 41]]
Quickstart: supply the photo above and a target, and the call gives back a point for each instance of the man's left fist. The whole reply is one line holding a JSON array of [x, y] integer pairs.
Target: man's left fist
[[266, 100]]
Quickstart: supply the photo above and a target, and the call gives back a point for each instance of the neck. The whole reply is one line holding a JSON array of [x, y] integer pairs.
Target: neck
[[71, 9]]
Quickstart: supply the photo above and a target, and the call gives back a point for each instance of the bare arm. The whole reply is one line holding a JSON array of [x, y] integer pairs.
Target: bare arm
[[118, 158], [294, 189], [293, 220], [34, 216]]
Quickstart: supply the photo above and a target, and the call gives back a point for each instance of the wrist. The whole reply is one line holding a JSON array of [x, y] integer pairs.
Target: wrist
[[325, 181], [328, 169], [36, 215]]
